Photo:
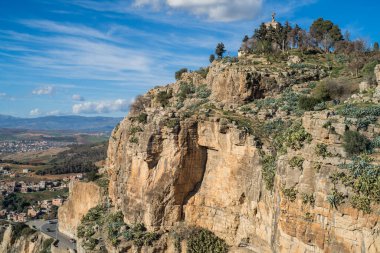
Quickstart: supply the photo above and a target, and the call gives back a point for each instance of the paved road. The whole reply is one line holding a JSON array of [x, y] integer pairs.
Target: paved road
[[50, 228]]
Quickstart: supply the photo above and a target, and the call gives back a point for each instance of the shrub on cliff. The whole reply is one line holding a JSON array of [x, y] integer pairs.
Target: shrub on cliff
[[269, 171], [179, 73], [204, 241], [355, 143], [140, 236], [139, 104], [308, 103], [293, 137], [163, 97], [363, 177], [46, 245]]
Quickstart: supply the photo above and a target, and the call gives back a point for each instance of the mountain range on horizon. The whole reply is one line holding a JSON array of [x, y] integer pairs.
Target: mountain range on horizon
[[69, 123]]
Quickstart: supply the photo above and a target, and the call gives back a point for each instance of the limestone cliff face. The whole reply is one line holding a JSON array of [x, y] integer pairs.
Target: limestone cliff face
[[199, 170], [24, 244], [82, 197]]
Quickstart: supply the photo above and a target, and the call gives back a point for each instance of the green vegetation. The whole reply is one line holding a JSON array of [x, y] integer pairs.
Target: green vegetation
[[142, 118], [308, 199], [203, 92], [140, 236], [19, 230], [179, 73], [46, 245], [363, 178], [135, 129], [362, 203], [308, 103], [288, 102], [335, 198], [293, 137], [290, 193], [220, 50], [163, 97], [79, 158], [202, 71], [364, 114], [269, 171], [185, 90], [15, 202], [296, 162], [355, 143], [204, 241], [98, 218], [134, 140], [172, 123], [114, 223], [321, 150], [92, 220]]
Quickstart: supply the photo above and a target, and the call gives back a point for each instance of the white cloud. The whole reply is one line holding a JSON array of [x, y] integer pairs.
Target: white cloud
[[48, 90], [69, 29], [77, 97], [2, 94], [216, 10], [54, 113], [35, 112], [119, 105]]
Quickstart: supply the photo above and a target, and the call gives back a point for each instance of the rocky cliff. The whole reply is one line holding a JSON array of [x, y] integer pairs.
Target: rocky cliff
[[82, 197], [30, 242], [236, 151], [185, 158]]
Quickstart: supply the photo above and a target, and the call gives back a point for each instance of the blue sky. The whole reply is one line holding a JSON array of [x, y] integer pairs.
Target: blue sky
[[91, 57]]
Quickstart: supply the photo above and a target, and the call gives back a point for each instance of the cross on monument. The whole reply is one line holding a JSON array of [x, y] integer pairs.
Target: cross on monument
[[274, 17]]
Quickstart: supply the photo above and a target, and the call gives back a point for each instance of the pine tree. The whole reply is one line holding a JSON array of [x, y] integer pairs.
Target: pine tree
[[376, 47], [212, 58], [220, 50]]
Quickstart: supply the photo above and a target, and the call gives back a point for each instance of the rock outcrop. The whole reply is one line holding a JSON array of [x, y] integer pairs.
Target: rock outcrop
[[82, 197], [201, 170], [377, 74], [30, 243], [232, 153]]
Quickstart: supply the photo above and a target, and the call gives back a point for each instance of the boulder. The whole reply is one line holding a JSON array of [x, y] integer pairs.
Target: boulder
[[294, 59], [377, 73], [363, 86]]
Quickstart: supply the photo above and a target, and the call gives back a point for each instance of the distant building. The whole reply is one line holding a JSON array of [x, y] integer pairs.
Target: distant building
[[3, 213], [32, 212], [273, 23], [57, 202], [46, 204], [42, 185], [26, 171]]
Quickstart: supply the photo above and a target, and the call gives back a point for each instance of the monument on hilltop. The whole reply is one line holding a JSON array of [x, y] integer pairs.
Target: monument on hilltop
[[273, 23]]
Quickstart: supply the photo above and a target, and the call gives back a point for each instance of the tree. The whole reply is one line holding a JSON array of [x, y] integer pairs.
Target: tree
[[327, 42], [220, 50], [246, 38], [261, 33], [357, 62], [294, 36], [376, 47], [320, 28], [139, 104], [179, 73], [212, 58], [284, 36]]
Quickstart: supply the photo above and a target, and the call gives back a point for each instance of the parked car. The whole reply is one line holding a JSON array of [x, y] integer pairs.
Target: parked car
[[55, 243]]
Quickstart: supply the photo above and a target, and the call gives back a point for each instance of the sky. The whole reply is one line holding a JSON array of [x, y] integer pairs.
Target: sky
[[92, 58]]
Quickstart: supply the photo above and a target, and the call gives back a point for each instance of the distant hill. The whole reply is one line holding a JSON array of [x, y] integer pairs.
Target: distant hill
[[70, 123]]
